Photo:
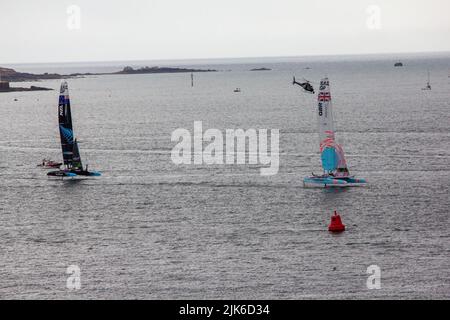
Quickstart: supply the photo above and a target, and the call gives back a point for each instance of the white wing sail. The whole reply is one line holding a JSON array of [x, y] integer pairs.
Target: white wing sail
[[326, 127]]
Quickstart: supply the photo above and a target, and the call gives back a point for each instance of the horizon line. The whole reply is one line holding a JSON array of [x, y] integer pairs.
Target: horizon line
[[232, 58]]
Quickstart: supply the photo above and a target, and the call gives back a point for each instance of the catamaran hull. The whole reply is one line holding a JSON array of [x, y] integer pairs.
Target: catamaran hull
[[72, 174], [328, 182], [88, 173]]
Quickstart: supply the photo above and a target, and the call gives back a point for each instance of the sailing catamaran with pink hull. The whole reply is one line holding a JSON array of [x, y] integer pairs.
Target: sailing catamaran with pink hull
[[335, 169]]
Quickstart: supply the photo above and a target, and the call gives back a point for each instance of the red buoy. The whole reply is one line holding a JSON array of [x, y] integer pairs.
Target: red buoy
[[336, 223]]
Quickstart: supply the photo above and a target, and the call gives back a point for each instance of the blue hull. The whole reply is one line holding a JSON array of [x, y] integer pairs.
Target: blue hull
[[74, 173], [329, 181]]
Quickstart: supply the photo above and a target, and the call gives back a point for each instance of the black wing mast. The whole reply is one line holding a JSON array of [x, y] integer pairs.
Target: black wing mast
[[69, 145]]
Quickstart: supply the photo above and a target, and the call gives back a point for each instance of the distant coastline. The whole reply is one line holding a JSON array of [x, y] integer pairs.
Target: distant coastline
[[10, 75], [261, 69], [17, 89], [144, 70]]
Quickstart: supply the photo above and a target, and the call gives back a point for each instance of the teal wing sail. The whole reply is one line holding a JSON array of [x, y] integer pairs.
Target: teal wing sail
[[329, 159]]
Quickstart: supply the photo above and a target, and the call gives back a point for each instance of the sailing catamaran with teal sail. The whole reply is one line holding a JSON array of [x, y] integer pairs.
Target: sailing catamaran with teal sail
[[335, 169], [69, 144]]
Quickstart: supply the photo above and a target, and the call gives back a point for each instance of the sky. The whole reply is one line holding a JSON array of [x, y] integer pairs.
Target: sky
[[101, 30]]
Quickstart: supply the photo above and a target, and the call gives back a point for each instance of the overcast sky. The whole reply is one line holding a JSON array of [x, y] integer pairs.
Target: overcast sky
[[52, 30]]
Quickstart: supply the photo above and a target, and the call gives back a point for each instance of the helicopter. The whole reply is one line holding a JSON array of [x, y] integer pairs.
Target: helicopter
[[305, 85]]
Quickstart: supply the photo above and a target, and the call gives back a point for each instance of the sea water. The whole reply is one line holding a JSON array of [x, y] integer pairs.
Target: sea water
[[149, 228]]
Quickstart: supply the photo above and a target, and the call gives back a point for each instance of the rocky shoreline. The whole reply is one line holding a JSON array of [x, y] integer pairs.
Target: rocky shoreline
[[261, 69], [10, 75], [17, 89], [130, 70]]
